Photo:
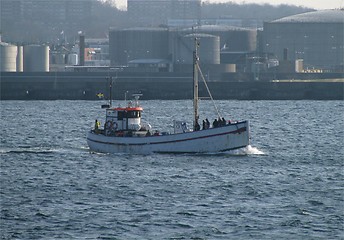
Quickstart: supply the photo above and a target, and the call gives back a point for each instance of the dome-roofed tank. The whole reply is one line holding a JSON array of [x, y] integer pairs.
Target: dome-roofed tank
[[209, 51], [316, 37], [8, 57], [36, 58], [232, 39], [323, 16]]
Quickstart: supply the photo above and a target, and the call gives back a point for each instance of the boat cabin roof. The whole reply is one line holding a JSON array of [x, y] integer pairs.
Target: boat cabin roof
[[128, 109]]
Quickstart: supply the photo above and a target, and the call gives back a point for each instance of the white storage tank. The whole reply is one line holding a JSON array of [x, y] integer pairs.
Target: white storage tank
[[8, 57], [59, 58], [209, 51], [20, 60], [36, 58], [232, 39], [72, 59], [299, 65]]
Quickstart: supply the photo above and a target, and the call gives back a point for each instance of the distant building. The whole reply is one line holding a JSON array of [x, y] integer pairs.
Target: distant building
[[10, 10], [46, 10], [316, 37], [97, 52], [158, 12], [49, 14]]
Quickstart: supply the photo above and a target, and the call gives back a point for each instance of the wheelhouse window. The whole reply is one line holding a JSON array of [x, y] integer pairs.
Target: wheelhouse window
[[133, 114], [120, 115], [130, 114]]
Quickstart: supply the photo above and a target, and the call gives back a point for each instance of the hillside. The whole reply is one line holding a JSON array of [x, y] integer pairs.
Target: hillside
[[43, 28]]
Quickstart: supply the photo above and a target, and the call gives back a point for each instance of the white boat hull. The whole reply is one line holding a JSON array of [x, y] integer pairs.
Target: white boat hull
[[219, 139]]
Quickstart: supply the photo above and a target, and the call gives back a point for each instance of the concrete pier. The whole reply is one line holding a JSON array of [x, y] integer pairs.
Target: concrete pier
[[81, 85]]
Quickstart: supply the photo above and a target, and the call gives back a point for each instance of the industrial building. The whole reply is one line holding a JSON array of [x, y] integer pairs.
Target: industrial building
[[38, 21], [316, 37], [308, 41], [155, 57], [49, 11]]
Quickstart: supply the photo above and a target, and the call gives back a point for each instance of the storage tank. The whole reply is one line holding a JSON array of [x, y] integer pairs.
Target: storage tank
[[36, 58], [209, 51], [137, 43], [59, 58], [72, 59], [232, 39], [8, 57], [20, 60], [299, 65], [317, 37]]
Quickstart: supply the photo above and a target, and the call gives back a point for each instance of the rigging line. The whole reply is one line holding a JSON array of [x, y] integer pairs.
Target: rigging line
[[206, 85]]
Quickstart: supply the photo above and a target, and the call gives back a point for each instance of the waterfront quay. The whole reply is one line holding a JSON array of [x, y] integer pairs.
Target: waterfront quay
[[87, 86]]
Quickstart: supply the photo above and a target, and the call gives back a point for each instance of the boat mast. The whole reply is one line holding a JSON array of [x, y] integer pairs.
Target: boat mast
[[195, 83], [110, 93]]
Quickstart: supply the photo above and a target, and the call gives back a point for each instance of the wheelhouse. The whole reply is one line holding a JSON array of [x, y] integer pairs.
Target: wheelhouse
[[122, 119]]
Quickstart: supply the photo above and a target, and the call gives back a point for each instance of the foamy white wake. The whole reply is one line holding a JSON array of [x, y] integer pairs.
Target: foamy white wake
[[249, 150]]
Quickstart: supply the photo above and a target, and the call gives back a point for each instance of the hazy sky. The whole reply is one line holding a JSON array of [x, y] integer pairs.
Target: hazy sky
[[317, 4]]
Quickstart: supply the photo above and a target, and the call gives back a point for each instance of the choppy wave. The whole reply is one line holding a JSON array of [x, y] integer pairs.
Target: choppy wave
[[286, 185]]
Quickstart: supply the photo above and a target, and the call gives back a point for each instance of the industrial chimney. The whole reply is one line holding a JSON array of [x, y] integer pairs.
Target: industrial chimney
[[82, 50], [285, 54]]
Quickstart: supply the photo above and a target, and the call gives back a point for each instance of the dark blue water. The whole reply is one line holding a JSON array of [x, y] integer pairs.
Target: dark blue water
[[287, 185]]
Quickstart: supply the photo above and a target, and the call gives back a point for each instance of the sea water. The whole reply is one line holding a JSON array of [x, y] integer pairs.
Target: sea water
[[288, 184]]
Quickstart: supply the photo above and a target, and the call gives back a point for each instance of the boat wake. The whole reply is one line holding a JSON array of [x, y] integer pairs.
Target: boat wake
[[245, 151], [27, 150], [40, 150], [249, 150]]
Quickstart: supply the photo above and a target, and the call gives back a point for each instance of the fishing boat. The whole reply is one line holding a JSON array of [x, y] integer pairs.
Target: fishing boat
[[123, 131]]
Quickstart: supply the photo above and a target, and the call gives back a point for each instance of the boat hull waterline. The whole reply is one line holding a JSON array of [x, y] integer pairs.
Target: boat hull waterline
[[225, 138]]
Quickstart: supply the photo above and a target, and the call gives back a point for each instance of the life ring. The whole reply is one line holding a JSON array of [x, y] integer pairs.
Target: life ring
[[109, 125]]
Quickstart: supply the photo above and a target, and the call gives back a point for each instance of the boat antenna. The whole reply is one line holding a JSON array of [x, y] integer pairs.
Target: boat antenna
[[195, 83], [137, 97]]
